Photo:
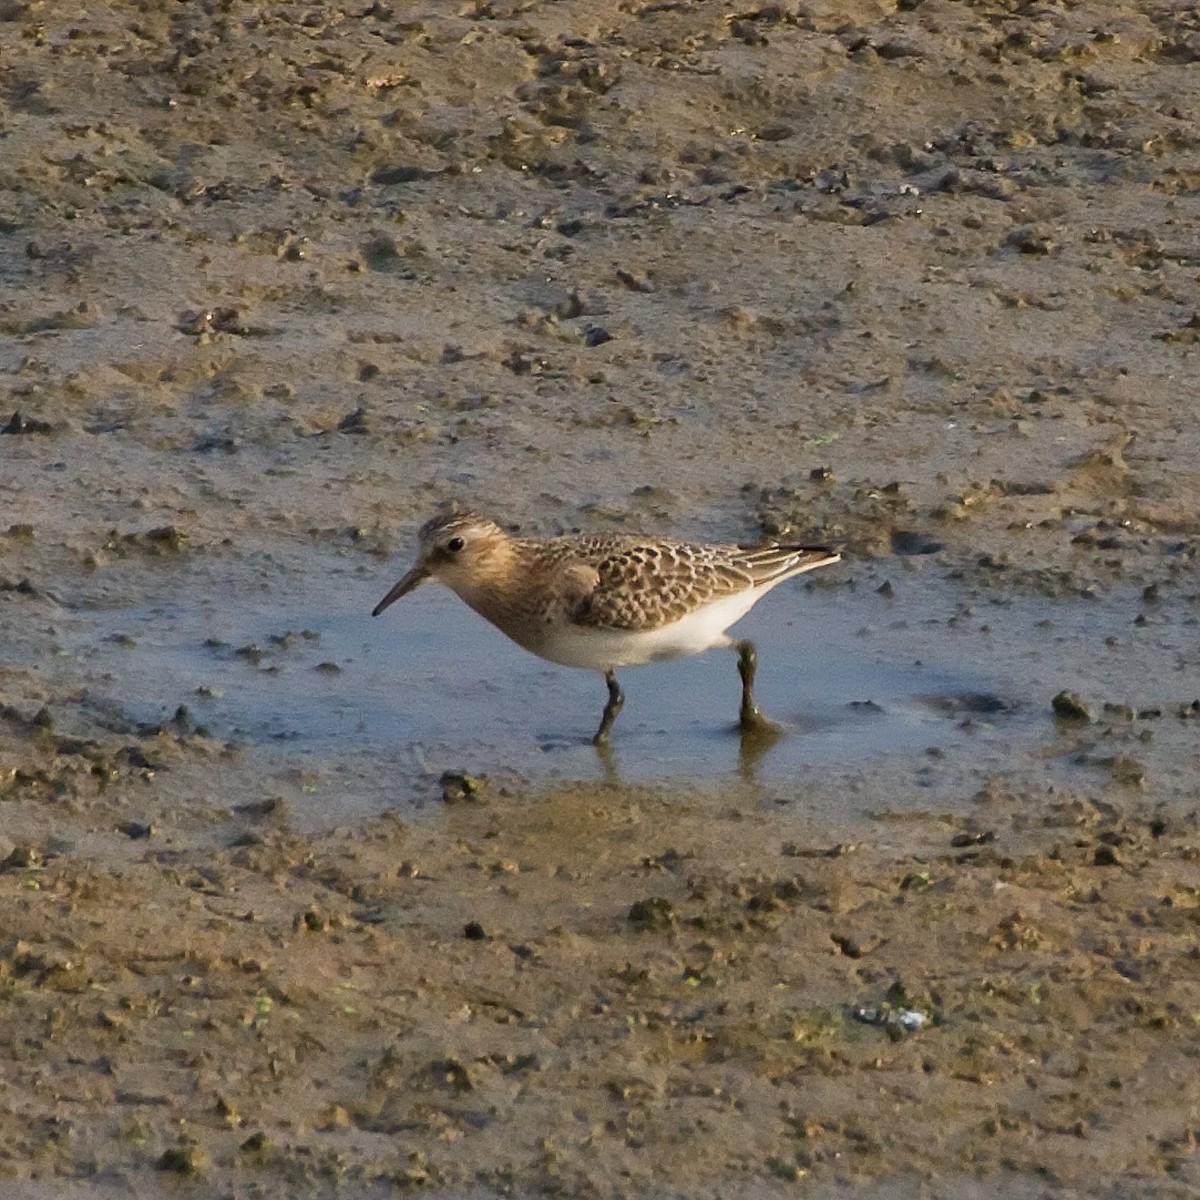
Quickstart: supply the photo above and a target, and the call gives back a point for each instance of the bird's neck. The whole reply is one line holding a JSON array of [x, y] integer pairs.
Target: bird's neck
[[496, 586]]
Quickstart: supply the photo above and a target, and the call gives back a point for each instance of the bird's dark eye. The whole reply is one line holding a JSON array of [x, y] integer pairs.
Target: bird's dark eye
[[455, 544]]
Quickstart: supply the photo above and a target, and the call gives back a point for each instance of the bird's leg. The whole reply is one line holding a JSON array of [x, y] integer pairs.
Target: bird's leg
[[616, 700], [751, 719]]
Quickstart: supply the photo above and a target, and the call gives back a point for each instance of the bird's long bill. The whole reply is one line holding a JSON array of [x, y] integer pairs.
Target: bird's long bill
[[416, 576]]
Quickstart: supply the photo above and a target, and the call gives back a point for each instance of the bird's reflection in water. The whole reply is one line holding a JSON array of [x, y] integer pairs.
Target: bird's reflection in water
[[753, 748]]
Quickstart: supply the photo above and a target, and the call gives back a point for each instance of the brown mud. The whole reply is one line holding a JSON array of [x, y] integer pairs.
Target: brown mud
[[276, 279]]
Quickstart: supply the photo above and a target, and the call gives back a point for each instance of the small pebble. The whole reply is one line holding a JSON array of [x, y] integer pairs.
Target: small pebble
[[1069, 707]]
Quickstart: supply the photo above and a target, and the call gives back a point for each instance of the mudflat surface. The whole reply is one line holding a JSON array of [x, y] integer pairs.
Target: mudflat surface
[[294, 903]]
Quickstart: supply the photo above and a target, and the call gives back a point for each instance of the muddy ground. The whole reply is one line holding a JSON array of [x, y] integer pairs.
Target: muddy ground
[[277, 278]]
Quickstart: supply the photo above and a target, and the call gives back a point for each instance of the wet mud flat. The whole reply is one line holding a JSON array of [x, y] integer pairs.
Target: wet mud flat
[[293, 903], [588, 989]]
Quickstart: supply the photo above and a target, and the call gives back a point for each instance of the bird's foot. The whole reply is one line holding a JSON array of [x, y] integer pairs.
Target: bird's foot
[[752, 723]]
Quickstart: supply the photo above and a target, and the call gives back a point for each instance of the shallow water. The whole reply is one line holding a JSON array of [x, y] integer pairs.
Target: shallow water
[[431, 673], [433, 676], [855, 679]]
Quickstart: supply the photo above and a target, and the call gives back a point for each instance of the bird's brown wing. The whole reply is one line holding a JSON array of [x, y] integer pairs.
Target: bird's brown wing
[[623, 581], [645, 584]]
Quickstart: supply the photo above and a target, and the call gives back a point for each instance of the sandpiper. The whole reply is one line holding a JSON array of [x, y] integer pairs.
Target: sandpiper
[[607, 600]]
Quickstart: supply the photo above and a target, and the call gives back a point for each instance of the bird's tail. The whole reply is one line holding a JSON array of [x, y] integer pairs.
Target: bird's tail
[[774, 563]]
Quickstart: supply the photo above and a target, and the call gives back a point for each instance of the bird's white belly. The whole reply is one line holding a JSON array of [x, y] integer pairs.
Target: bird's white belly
[[601, 649]]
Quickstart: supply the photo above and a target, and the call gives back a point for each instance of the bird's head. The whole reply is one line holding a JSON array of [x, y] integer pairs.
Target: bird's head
[[459, 549]]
